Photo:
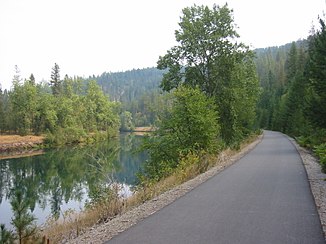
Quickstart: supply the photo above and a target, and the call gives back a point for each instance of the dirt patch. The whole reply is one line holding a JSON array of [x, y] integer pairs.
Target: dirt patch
[[143, 129], [16, 143]]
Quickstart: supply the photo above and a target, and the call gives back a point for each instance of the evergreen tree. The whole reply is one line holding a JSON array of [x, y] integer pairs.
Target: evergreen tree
[[2, 111], [55, 81], [32, 80], [291, 62], [22, 220], [16, 81], [317, 77], [6, 236]]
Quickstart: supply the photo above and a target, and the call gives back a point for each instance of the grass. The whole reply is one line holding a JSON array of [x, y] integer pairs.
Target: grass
[[73, 224]]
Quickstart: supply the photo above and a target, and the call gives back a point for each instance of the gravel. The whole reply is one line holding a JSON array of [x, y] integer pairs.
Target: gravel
[[104, 232], [317, 181]]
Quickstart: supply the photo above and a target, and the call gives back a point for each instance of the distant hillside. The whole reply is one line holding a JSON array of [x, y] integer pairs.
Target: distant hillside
[[138, 91], [129, 85], [271, 62]]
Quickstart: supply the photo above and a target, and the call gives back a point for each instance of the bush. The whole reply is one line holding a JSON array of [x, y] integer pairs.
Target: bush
[[62, 136], [190, 126]]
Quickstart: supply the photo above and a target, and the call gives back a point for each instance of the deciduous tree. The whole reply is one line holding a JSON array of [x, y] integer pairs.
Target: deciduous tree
[[210, 57]]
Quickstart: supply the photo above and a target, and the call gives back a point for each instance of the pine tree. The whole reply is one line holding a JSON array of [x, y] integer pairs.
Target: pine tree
[[32, 80], [317, 77], [55, 82], [16, 81], [22, 220], [2, 111]]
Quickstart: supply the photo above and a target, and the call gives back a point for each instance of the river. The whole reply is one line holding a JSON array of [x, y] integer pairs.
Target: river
[[65, 179]]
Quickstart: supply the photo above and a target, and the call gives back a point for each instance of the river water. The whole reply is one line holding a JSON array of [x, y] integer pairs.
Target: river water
[[64, 179]]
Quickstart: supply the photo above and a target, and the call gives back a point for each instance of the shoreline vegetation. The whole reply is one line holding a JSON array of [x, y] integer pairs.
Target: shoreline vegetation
[[15, 146]]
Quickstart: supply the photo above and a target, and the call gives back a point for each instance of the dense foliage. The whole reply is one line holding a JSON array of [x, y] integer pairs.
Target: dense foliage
[[209, 56], [69, 114], [214, 90], [138, 92], [188, 126], [293, 100]]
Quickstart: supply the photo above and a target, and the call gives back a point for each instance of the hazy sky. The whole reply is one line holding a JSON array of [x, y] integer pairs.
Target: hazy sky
[[88, 37]]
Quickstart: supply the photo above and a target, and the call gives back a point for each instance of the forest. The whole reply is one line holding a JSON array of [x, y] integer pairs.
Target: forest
[[67, 111], [293, 84]]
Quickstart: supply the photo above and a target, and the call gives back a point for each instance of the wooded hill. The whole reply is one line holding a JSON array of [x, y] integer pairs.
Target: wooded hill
[[130, 85], [138, 92]]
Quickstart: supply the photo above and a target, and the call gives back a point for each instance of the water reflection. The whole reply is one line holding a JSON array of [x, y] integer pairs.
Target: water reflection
[[66, 178]]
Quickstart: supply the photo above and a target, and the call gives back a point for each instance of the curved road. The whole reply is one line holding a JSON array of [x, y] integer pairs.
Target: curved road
[[263, 198]]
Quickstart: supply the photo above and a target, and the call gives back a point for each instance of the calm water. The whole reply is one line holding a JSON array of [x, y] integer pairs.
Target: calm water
[[63, 179]]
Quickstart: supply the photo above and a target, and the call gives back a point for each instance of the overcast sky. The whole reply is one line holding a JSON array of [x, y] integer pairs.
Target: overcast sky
[[87, 37]]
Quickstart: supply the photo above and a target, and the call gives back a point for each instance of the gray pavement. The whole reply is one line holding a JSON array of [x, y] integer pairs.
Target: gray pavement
[[263, 198]]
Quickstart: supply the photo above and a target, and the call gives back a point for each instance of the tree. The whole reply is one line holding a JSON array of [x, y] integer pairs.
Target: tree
[[209, 56], [99, 111], [32, 80], [291, 62], [126, 121], [55, 81], [23, 99], [2, 111], [22, 220], [317, 77], [189, 126], [6, 236], [17, 79]]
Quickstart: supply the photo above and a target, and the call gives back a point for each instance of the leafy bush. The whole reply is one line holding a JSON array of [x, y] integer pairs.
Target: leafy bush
[[190, 126], [62, 136]]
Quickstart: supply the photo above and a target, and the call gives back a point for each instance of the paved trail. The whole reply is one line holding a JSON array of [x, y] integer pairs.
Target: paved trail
[[263, 198]]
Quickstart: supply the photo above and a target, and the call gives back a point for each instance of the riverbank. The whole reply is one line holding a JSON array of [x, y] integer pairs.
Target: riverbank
[[15, 145], [141, 131]]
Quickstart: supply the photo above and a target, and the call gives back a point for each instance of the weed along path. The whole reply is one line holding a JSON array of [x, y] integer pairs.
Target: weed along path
[[263, 198]]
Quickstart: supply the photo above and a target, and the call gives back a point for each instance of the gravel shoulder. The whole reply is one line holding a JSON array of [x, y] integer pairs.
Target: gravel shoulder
[[104, 232], [317, 181]]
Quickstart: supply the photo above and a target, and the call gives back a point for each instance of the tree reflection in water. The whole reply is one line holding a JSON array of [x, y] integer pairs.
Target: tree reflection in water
[[62, 178]]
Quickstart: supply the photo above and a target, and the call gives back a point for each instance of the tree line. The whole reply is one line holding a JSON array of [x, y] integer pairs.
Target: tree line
[[293, 98], [138, 92], [67, 110]]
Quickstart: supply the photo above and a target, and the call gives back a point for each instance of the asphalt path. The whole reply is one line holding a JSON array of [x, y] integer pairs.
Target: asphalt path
[[263, 198]]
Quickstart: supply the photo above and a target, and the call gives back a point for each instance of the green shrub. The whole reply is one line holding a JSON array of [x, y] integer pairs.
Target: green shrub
[[188, 127], [63, 136]]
